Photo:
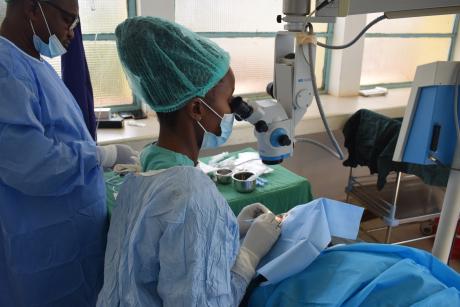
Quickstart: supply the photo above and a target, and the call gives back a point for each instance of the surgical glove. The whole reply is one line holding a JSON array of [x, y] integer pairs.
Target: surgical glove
[[260, 238], [111, 155], [249, 213]]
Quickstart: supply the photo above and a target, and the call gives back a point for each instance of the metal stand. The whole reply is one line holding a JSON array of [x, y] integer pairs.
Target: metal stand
[[404, 200], [450, 212], [395, 202]]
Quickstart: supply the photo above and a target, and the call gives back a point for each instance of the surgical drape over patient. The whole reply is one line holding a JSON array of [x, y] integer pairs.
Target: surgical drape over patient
[[166, 64]]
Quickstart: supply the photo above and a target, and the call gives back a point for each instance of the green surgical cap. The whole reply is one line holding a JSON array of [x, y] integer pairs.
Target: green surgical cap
[[166, 64]]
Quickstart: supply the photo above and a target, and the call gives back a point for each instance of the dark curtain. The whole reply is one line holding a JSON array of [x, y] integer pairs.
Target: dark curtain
[[75, 75]]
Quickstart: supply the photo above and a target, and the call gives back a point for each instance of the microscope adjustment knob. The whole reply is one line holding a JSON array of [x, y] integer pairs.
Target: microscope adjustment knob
[[261, 126], [279, 19], [284, 140]]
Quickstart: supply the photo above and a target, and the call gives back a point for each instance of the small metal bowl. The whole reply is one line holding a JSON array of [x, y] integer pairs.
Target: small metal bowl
[[242, 184], [224, 176]]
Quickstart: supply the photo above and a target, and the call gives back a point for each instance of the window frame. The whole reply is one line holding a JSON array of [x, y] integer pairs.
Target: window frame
[[136, 104], [327, 55], [453, 40]]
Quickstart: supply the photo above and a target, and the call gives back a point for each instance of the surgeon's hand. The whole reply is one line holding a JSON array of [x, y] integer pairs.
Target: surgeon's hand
[[261, 236], [111, 155], [248, 213]]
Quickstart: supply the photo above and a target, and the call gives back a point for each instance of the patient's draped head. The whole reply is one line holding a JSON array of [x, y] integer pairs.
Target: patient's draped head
[[166, 64]]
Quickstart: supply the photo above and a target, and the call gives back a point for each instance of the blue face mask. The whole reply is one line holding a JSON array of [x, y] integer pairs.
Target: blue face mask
[[54, 47], [210, 140]]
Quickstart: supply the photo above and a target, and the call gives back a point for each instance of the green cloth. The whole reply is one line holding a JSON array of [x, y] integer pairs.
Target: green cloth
[[371, 140], [154, 157], [166, 64], [283, 191]]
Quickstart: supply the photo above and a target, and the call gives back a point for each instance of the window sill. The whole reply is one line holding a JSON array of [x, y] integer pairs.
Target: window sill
[[337, 109]]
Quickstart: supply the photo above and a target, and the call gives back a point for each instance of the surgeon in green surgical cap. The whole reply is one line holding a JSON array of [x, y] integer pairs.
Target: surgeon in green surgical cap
[[173, 239]]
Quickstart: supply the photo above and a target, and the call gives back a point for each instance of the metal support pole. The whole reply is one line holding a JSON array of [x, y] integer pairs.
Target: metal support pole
[[388, 235], [349, 185], [450, 212], [393, 208]]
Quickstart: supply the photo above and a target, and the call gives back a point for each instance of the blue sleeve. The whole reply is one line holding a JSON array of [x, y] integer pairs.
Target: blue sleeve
[[239, 286], [197, 255], [31, 160]]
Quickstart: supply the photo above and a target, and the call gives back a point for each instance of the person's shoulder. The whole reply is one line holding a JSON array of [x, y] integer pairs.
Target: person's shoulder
[[168, 194], [195, 189], [194, 180], [12, 62]]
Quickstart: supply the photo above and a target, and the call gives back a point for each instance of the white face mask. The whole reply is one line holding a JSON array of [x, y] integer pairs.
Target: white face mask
[[210, 140], [54, 47]]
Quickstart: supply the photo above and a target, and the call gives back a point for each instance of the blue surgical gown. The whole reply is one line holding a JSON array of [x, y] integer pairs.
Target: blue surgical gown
[[53, 219], [173, 241]]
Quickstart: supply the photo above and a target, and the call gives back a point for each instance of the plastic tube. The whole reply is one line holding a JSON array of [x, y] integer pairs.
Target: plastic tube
[[371, 24], [339, 155]]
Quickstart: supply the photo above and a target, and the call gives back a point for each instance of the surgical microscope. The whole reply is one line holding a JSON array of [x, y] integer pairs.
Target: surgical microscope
[[294, 84], [294, 87]]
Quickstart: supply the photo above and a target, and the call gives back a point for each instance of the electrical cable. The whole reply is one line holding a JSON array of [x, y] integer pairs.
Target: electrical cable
[[338, 150], [372, 23], [320, 7], [457, 125], [321, 145], [436, 160], [323, 5]]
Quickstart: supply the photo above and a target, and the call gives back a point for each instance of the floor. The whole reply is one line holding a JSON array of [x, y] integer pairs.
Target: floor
[[328, 178]]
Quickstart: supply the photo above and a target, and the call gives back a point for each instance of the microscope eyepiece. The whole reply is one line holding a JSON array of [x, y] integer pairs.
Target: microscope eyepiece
[[241, 108]]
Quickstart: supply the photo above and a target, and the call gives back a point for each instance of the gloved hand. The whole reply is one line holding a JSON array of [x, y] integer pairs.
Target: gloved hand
[[111, 155], [260, 237], [249, 212]]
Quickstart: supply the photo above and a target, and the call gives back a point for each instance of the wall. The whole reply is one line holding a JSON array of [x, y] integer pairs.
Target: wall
[[457, 48], [158, 8]]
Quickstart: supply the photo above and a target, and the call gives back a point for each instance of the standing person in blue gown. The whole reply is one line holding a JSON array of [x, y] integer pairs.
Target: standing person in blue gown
[[53, 217]]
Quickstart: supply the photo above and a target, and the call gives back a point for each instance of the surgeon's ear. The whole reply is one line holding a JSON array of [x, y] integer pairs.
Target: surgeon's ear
[[31, 10], [195, 109]]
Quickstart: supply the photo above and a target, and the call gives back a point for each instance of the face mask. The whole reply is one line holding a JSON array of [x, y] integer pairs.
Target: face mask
[[54, 47], [210, 140]]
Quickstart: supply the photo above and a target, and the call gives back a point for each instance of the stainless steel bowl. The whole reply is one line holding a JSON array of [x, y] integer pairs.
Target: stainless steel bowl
[[242, 184], [224, 176]]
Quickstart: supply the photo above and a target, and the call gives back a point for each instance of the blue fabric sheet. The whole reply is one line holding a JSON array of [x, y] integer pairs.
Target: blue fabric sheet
[[306, 231], [366, 275], [75, 74]]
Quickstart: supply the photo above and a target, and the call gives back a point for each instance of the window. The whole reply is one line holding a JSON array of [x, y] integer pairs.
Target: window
[[99, 20], [246, 29], [2, 10], [394, 48]]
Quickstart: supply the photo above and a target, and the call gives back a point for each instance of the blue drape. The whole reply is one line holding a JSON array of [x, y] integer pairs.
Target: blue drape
[[75, 75]]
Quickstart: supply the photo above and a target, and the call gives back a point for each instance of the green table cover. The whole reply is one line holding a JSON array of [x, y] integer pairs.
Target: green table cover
[[283, 191]]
